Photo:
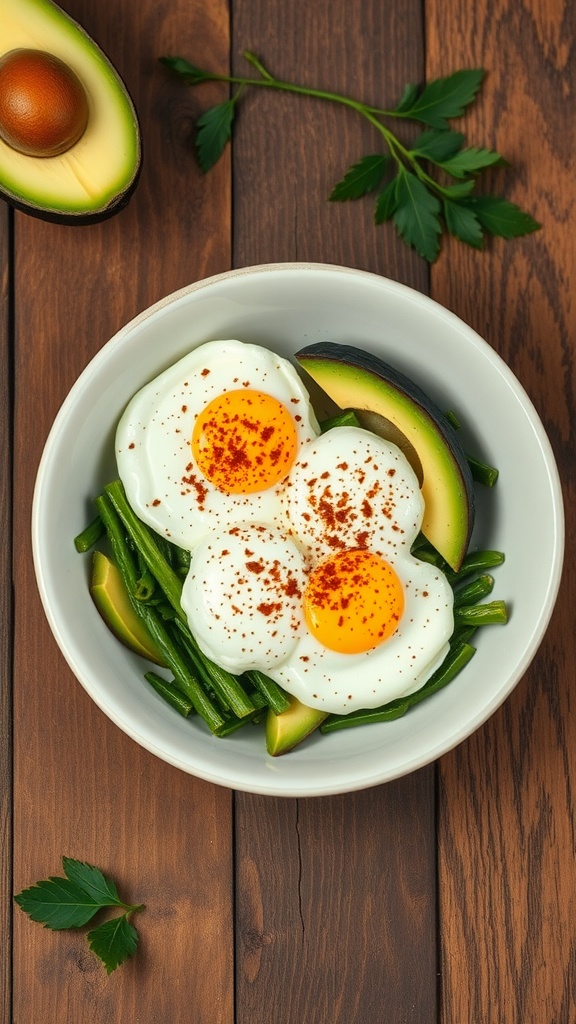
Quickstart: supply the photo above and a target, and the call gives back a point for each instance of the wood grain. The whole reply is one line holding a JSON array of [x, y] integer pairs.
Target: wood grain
[[335, 906], [289, 152], [336, 897], [5, 613], [319, 910], [83, 788], [506, 828]]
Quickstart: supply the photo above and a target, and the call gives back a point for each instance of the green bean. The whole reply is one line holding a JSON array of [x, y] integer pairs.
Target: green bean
[[492, 613], [187, 681], [170, 694], [452, 419], [233, 723], [420, 542], [180, 638], [145, 585], [165, 610], [426, 553], [482, 473], [273, 694], [345, 418], [123, 556], [147, 545], [153, 570], [473, 562], [462, 634], [89, 535], [182, 558], [474, 591], [476, 561], [126, 563], [227, 686], [458, 656]]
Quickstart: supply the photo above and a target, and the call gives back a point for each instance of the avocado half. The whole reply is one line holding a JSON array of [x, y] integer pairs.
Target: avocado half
[[96, 176], [358, 380]]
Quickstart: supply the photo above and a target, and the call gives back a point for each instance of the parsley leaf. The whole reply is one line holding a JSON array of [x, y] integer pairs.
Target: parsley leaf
[[58, 903], [71, 902], [92, 881], [408, 97], [437, 145], [500, 217], [417, 215], [361, 178], [458, 189], [419, 203], [190, 72], [463, 223], [214, 128], [114, 941], [386, 202], [444, 97], [470, 161]]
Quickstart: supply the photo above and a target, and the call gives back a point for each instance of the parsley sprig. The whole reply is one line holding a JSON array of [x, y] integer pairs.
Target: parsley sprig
[[425, 187], [72, 901]]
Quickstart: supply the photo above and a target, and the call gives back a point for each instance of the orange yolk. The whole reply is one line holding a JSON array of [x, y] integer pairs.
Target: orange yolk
[[353, 602], [244, 441]]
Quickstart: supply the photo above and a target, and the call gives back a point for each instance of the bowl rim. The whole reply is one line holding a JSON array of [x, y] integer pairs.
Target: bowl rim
[[444, 745]]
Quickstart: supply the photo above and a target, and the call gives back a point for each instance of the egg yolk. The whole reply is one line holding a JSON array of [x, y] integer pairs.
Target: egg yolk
[[353, 601], [244, 441]]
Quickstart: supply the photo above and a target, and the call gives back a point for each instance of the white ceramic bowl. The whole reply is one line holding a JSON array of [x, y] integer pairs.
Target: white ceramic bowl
[[285, 307]]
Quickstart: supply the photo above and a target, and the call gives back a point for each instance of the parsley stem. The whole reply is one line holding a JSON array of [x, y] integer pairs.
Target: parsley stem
[[269, 82], [399, 153], [131, 908]]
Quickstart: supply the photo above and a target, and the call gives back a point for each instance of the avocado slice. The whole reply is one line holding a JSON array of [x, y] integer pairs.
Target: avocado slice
[[356, 379], [97, 174], [110, 596], [286, 730]]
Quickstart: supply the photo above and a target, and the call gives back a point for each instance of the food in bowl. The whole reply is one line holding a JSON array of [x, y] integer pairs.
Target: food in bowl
[[296, 559], [288, 307]]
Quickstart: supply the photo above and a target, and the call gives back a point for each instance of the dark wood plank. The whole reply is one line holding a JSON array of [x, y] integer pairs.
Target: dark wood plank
[[82, 788], [5, 617], [336, 905], [507, 842], [290, 152], [336, 897]]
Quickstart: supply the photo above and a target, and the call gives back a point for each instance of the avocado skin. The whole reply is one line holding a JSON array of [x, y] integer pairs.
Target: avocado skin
[[360, 361], [48, 13], [286, 730], [79, 219]]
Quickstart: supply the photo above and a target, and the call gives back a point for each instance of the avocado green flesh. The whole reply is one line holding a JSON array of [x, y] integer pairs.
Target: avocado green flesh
[[446, 492], [111, 599], [286, 730], [97, 174]]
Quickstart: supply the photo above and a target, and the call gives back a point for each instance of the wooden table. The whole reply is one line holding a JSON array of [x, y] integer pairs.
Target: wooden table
[[446, 897]]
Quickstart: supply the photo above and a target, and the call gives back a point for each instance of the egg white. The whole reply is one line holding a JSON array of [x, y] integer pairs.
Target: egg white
[[347, 469], [350, 488], [153, 450], [340, 683], [347, 489], [243, 597]]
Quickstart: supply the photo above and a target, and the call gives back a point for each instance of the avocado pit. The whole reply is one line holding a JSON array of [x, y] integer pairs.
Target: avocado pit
[[43, 104]]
